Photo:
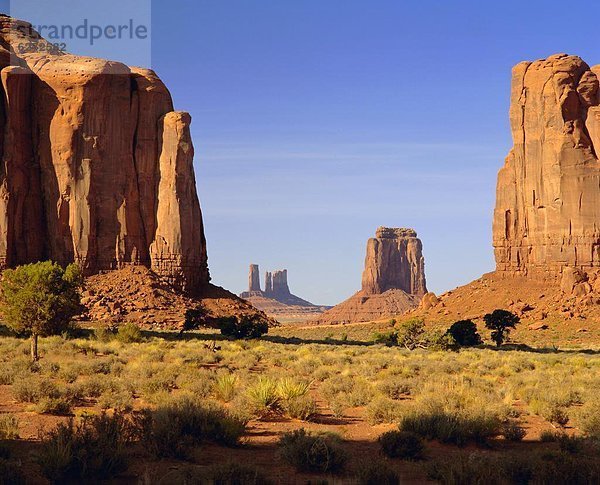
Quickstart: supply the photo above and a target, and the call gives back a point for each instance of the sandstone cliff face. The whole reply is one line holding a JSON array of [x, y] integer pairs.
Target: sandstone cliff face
[[96, 166], [394, 260], [547, 212]]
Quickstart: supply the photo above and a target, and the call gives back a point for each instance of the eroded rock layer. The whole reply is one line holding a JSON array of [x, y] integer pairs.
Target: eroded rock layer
[[547, 212], [96, 165]]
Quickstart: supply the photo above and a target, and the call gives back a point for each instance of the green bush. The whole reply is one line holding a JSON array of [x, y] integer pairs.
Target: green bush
[[93, 449], [173, 429], [243, 327], [312, 453], [129, 333], [376, 473], [105, 333], [401, 444], [457, 428], [465, 333], [9, 427]]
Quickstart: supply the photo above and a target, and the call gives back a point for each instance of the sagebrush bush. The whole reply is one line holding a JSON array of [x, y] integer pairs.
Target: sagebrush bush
[[174, 428], [302, 407], [96, 448], [312, 452], [9, 427], [376, 473], [384, 410], [401, 444], [129, 333], [457, 428]]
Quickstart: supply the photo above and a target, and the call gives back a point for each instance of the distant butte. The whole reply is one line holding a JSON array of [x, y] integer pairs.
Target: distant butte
[[276, 300], [393, 280]]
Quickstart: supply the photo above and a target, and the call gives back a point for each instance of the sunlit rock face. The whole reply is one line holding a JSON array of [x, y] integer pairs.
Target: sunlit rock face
[[96, 165]]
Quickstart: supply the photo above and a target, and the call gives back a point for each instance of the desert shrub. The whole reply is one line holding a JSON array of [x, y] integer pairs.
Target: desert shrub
[[513, 432], [500, 322], [556, 415], [519, 468], [548, 436], [569, 443], [129, 333], [233, 473], [230, 473], [11, 473], [588, 419], [288, 388], [117, 399], [376, 473], [263, 397], [384, 410], [411, 334], [458, 428], [34, 389], [59, 406], [174, 428], [302, 407], [9, 427], [465, 333], [243, 327], [401, 444], [312, 452], [386, 338], [93, 449], [395, 388], [225, 387], [105, 333]]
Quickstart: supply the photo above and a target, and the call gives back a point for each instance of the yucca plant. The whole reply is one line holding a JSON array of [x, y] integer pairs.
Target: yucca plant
[[289, 388], [263, 396], [225, 387]]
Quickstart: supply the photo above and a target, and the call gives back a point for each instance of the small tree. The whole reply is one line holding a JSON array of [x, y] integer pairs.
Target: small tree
[[194, 319], [465, 333], [244, 326], [500, 322], [411, 334], [40, 299]]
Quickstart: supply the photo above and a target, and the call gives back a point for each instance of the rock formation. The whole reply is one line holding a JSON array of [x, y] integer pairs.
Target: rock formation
[[96, 165], [547, 212], [393, 280], [254, 279], [546, 226], [277, 300], [394, 261]]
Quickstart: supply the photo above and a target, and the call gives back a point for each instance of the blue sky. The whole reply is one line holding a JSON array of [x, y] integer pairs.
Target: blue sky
[[315, 121]]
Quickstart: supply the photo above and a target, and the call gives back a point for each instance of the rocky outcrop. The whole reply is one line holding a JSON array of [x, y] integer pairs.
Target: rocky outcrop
[[547, 214], [393, 281], [394, 260], [279, 289], [96, 165]]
